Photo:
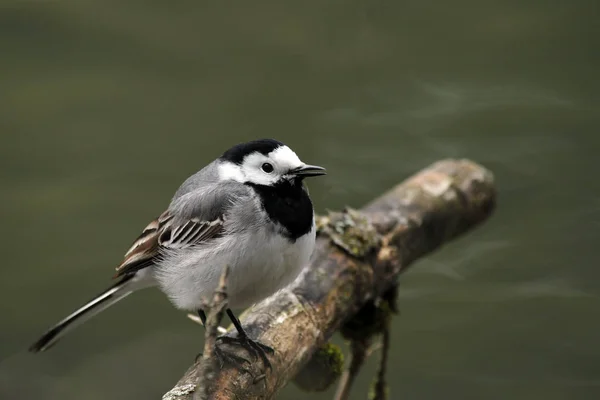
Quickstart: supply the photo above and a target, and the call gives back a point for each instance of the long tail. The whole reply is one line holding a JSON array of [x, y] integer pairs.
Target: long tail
[[110, 296]]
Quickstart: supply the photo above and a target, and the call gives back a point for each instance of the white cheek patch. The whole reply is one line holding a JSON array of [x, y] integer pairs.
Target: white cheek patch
[[252, 171], [285, 158], [230, 171]]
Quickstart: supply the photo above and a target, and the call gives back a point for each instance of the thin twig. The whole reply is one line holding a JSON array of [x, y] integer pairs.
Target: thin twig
[[358, 355], [213, 320], [373, 348], [380, 392]]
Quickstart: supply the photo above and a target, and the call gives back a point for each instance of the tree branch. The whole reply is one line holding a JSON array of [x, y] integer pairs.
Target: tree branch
[[358, 257]]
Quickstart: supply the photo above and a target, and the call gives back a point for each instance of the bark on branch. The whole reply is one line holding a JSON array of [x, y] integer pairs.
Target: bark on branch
[[358, 257]]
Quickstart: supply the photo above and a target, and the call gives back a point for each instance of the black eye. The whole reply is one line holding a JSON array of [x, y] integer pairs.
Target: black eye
[[268, 168]]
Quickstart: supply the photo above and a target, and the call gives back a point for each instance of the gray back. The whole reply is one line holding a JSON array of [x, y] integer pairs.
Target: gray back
[[205, 197]]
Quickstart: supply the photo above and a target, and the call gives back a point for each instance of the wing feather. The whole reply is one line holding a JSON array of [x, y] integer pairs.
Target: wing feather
[[191, 233], [163, 233]]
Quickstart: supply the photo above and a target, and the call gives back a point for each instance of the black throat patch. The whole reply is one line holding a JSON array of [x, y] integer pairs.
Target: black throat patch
[[288, 204]]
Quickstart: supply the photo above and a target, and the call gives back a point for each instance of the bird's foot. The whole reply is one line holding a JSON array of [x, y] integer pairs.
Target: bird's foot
[[253, 347], [226, 358]]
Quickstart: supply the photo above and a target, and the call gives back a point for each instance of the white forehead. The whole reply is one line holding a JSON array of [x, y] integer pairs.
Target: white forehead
[[285, 157]]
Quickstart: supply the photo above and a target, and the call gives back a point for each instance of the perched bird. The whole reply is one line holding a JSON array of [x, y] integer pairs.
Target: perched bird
[[248, 210]]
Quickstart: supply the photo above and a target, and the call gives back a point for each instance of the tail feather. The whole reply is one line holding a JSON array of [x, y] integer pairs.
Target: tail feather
[[110, 296]]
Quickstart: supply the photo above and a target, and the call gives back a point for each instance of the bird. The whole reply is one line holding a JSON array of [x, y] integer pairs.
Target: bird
[[249, 210]]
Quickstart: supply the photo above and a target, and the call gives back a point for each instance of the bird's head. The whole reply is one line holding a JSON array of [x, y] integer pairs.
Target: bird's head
[[265, 162]]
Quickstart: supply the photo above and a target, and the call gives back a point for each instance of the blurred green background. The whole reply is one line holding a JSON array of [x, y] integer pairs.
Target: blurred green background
[[107, 106]]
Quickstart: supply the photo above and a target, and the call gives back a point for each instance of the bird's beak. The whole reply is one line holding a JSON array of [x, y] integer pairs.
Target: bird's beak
[[308, 170]]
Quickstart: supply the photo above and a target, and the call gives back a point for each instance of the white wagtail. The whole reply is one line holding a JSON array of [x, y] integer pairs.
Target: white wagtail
[[248, 209]]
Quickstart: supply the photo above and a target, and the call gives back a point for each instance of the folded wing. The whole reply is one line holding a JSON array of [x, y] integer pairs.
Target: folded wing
[[162, 234]]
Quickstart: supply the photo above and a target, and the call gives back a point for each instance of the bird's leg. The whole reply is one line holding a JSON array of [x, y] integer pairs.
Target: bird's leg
[[202, 316], [229, 358], [243, 340]]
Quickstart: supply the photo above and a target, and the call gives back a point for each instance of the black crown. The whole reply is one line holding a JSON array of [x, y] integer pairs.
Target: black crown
[[237, 153]]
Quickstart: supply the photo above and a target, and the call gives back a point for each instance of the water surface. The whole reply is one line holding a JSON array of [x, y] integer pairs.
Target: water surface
[[107, 106]]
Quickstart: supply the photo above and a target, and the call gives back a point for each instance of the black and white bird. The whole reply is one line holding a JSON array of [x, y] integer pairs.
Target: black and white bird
[[248, 209]]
